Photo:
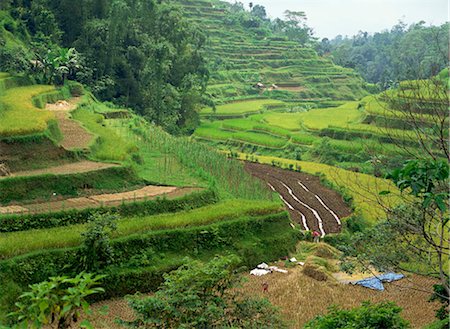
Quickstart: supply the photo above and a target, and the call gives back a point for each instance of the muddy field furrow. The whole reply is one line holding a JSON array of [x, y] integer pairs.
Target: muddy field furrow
[[304, 195], [299, 208]]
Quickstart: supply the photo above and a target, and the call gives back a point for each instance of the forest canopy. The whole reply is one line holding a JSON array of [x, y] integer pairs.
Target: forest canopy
[[139, 54], [401, 53]]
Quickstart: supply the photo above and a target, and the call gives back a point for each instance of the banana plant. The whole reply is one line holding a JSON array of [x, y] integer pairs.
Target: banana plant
[[56, 303]]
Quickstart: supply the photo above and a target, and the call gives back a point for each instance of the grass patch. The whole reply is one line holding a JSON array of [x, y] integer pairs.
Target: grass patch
[[260, 139], [244, 107], [16, 243], [316, 119], [288, 121], [340, 116], [108, 145], [18, 115], [213, 130]]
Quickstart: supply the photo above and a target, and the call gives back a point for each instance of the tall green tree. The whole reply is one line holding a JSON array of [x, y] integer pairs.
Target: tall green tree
[[401, 53]]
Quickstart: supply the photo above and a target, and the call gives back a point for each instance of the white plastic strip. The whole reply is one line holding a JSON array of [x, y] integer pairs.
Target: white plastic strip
[[305, 225], [327, 208], [303, 186], [315, 213]]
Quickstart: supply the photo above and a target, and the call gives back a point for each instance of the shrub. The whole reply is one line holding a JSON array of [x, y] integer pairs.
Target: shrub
[[57, 301], [200, 295], [96, 251], [368, 316], [76, 89]]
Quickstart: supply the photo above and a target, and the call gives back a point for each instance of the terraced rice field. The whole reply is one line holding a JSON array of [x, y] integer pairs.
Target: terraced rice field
[[243, 59], [364, 189], [100, 200], [18, 115], [242, 107]]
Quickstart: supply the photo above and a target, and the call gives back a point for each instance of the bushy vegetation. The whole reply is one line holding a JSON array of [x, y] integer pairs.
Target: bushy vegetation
[[57, 301], [201, 295], [141, 259], [370, 316]]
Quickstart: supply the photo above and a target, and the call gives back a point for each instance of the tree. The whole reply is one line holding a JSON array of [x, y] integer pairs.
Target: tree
[[324, 47], [295, 27], [200, 295], [423, 232], [414, 236], [368, 316], [153, 57], [57, 302], [402, 53], [259, 11]]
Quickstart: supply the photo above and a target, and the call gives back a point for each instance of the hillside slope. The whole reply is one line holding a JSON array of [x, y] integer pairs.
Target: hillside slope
[[240, 57]]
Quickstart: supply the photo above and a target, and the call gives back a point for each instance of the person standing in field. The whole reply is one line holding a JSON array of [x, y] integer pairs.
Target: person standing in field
[[316, 237], [265, 287]]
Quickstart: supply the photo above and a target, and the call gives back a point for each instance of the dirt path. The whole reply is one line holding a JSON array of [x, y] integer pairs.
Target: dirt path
[[311, 204], [74, 134], [101, 200], [71, 168]]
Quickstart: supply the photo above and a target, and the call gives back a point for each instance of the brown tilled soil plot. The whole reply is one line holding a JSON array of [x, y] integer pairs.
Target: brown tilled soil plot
[[295, 187], [70, 168], [302, 298], [101, 200], [74, 134]]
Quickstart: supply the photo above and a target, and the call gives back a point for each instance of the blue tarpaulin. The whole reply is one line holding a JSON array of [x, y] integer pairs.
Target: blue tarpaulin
[[376, 282]]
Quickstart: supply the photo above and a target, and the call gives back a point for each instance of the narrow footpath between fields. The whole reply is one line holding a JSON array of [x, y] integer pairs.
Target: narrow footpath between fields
[[74, 134], [101, 200]]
